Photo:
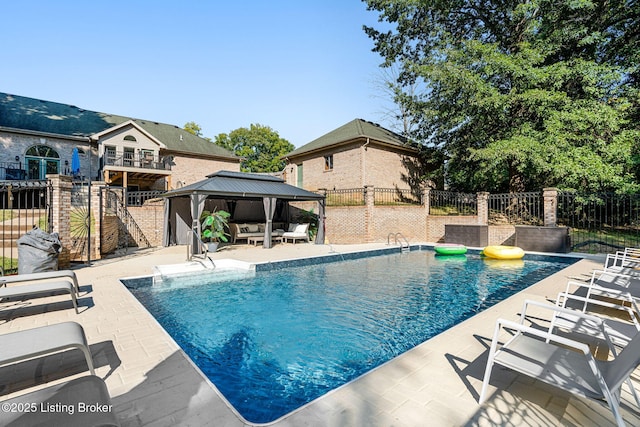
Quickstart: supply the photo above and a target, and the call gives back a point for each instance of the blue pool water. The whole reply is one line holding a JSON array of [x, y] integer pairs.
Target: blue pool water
[[277, 341]]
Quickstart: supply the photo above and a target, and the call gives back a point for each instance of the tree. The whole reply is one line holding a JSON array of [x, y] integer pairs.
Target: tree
[[193, 128], [519, 96], [260, 146]]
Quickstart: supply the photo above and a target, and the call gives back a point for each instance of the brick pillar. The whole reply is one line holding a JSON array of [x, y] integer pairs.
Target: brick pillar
[[483, 208], [61, 218], [426, 195], [369, 201], [550, 197], [96, 241]]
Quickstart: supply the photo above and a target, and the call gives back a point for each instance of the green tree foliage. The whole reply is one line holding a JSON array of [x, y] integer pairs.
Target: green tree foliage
[[193, 128], [260, 146], [521, 95]]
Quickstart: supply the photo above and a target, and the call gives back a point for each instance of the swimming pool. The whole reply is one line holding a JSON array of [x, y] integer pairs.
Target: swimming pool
[[287, 336]]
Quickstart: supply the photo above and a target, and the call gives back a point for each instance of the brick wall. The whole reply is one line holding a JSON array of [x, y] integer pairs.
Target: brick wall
[[15, 144], [354, 166], [150, 219], [186, 170]]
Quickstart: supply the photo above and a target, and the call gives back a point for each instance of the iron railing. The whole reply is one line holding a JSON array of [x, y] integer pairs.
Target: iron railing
[[23, 205], [516, 208], [452, 203], [137, 198], [346, 197], [130, 233], [395, 196], [134, 160], [600, 223], [12, 171]]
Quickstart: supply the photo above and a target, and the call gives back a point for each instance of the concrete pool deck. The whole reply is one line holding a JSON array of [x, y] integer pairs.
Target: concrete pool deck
[[153, 383]]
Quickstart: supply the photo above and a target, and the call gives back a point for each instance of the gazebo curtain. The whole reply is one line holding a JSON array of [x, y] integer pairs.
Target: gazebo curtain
[[269, 210], [197, 206], [321, 221]]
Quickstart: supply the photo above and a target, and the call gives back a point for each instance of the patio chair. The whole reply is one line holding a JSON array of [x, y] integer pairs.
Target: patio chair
[[66, 400], [36, 342], [37, 289], [296, 232], [564, 362], [31, 277]]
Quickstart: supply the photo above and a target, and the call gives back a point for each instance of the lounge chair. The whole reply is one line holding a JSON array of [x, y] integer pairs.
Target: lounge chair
[[612, 285], [31, 277], [30, 343], [64, 404], [626, 262], [621, 331], [35, 289], [296, 232], [563, 362]]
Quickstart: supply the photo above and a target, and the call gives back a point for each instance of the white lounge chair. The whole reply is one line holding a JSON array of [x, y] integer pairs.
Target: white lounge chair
[[63, 405], [626, 262], [612, 285], [563, 362], [296, 232], [32, 277], [35, 289], [36, 342]]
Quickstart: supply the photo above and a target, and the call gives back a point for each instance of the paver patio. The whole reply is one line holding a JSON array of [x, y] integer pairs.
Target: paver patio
[[153, 383]]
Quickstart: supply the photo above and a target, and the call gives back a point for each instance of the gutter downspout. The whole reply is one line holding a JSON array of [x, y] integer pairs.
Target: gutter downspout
[[364, 163]]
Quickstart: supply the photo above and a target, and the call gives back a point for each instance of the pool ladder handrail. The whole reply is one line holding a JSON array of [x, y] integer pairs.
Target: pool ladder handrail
[[404, 243], [191, 251]]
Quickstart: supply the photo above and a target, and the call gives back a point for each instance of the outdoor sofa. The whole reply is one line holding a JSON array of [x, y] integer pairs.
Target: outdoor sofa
[[241, 231]]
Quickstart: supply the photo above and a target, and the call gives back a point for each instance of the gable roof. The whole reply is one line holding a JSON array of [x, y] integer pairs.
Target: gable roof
[[29, 114], [244, 185], [355, 129]]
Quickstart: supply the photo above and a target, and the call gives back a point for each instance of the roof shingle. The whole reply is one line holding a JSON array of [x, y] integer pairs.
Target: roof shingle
[[353, 130], [19, 112]]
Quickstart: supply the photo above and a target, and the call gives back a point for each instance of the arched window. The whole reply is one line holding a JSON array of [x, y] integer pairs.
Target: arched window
[[42, 151], [41, 160], [130, 138]]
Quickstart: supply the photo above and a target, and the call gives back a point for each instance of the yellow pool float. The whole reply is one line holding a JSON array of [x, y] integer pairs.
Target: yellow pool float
[[503, 252]]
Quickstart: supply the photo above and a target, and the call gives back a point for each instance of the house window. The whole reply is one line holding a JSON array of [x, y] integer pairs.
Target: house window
[[110, 155], [299, 173], [41, 160], [128, 156], [328, 162], [130, 138]]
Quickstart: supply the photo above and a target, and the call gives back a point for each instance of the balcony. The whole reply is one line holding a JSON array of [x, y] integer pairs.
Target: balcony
[[139, 161], [12, 171]]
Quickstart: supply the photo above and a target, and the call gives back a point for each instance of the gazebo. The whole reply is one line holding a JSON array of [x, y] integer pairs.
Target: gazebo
[[230, 191]]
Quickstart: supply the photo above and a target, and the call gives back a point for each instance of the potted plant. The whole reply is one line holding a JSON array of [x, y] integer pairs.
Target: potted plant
[[214, 226]]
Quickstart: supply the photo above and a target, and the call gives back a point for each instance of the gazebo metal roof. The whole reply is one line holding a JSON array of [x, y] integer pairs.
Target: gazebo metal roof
[[227, 184]]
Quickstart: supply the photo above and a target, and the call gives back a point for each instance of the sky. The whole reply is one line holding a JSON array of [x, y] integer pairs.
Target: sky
[[301, 67]]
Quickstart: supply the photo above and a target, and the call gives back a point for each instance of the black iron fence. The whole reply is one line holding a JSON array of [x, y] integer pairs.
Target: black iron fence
[[23, 205], [516, 208], [600, 222], [395, 196], [345, 197], [452, 203]]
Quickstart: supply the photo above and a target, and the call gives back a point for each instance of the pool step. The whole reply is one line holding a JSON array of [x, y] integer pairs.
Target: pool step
[[195, 273]]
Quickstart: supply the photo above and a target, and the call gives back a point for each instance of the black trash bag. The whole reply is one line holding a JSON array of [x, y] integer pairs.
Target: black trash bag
[[38, 251]]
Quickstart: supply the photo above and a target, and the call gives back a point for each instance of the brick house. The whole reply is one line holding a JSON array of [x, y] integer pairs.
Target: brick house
[[39, 137], [354, 155]]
